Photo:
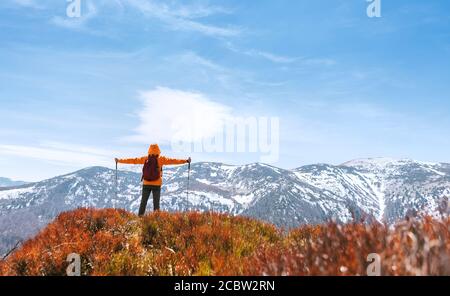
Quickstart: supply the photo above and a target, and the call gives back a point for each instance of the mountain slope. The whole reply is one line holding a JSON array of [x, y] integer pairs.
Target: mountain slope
[[407, 187], [369, 189]]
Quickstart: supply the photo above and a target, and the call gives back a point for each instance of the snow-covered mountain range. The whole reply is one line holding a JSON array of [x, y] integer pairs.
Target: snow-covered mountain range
[[379, 189]]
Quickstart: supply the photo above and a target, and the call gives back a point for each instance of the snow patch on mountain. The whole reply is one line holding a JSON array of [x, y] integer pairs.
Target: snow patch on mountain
[[15, 193]]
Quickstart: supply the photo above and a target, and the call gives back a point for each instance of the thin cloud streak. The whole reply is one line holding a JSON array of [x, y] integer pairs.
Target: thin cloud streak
[[62, 154], [184, 18], [27, 3], [280, 59], [174, 15]]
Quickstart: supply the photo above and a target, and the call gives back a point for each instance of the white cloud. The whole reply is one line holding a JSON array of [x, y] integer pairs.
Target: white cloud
[[174, 8], [184, 18], [193, 58], [261, 54], [169, 115], [288, 60], [280, 59], [62, 154], [174, 14], [26, 3], [271, 57], [365, 110]]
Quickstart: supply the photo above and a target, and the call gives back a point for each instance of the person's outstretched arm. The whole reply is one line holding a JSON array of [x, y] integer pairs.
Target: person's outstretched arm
[[139, 160], [173, 161]]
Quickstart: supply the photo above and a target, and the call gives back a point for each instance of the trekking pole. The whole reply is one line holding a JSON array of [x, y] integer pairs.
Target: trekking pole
[[117, 184], [187, 191]]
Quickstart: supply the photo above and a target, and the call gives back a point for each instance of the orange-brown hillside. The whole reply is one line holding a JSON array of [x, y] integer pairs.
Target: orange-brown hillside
[[116, 242]]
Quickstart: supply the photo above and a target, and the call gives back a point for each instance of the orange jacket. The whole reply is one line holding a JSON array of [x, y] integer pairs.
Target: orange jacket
[[162, 160]]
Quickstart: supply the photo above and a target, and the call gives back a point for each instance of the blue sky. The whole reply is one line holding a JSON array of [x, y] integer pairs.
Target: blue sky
[[78, 92]]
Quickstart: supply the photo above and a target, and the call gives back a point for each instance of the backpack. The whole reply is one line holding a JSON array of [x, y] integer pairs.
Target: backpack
[[151, 171]]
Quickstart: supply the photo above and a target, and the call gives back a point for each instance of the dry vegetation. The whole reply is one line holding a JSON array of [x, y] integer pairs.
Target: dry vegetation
[[116, 242]]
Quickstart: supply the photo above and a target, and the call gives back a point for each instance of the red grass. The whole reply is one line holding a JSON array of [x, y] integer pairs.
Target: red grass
[[115, 242], [409, 248]]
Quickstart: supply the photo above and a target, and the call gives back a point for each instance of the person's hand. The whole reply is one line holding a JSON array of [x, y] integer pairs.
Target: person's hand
[[188, 160]]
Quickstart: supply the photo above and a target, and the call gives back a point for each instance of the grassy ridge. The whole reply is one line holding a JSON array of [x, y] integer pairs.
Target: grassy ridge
[[116, 242]]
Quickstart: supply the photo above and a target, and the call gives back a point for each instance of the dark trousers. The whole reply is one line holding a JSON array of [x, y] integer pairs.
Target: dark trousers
[[146, 190]]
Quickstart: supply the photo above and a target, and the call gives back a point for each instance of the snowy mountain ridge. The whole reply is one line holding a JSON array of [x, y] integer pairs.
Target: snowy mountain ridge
[[383, 190]]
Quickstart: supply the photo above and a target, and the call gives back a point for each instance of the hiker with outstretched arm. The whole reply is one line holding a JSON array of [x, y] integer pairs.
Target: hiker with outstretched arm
[[152, 174]]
